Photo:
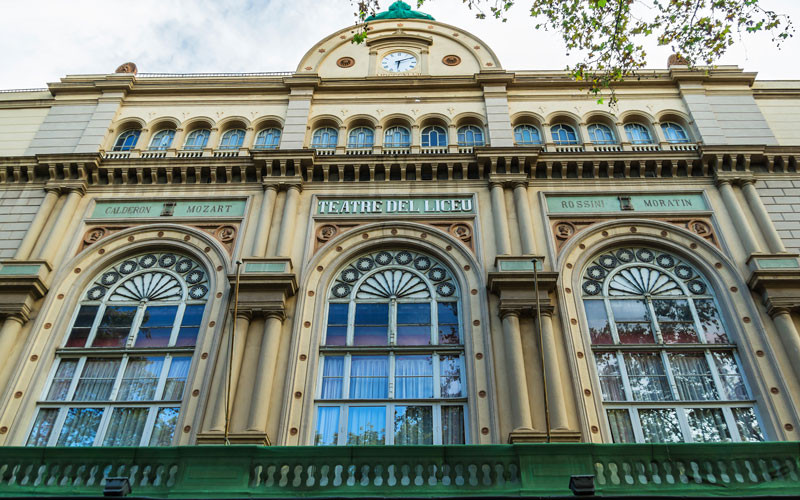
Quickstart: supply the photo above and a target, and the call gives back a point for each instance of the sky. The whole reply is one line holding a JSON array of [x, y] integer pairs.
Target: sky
[[44, 40]]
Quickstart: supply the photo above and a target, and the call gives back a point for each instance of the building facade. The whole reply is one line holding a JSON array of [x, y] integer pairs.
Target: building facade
[[401, 243]]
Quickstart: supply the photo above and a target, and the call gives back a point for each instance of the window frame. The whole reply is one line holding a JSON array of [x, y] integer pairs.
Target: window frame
[[356, 141], [520, 129], [158, 143], [203, 133], [232, 139], [670, 129], [440, 133], [319, 134], [261, 138], [558, 128], [127, 140], [476, 131], [605, 129], [393, 130], [639, 128]]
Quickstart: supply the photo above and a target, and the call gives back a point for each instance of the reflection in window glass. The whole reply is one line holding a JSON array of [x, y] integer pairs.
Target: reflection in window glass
[[97, 380], [369, 377], [366, 425], [597, 317], [414, 323], [42, 427], [268, 139], [660, 426], [140, 379], [164, 428], [126, 427], [115, 326], [397, 137], [413, 377], [693, 376], [59, 387], [450, 373], [332, 377], [610, 377], [527, 135], [710, 321], [197, 139], [176, 378], [448, 323], [453, 431], [647, 377], [732, 381], [621, 428], [371, 324], [82, 326], [413, 425], [632, 319], [336, 334], [156, 326], [747, 424], [327, 426], [433, 137], [190, 325], [707, 425], [80, 427], [675, 321]]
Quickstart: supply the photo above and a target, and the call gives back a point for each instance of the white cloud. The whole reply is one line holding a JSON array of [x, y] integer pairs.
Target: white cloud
[[43, 40]]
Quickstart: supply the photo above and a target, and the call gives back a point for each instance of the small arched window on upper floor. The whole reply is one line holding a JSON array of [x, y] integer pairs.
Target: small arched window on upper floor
[[470, 136], [527, 135], [674, 133], [361, 138], [563, 135], [269, 138], [434, 137], [232, 139], [197, 139], [397, 137], [162, 140], [324, 138], [127, 140], [601, 134], [638, 134]]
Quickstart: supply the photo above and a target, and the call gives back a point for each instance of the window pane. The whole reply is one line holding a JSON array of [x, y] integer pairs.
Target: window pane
[[164, 428], [337, 324], [448, 322], [414, 324], [693, 376], [413, 377], [140, 379], [369, 377], [647, 377], [732, 381], [366, 425], [190, 325], [80, 427], [327, 426], [619, 421], [597, 317], [371, 324], [450, 373], [710, 321], [82, 327], [176, 378], [97, 380], [114, 327], [453, 431], [660, 426], [633, 321], [610, 376], [126, 427], [708, 425], [675, 320], [332, 377], [156, 326], [61, 380], [42, 427], [413, 425], [747, 424]]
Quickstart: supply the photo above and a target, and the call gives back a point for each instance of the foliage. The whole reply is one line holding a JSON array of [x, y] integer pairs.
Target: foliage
[[610, 34]]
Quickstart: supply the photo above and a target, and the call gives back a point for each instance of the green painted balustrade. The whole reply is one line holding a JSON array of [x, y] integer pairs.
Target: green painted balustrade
[[741, 469]]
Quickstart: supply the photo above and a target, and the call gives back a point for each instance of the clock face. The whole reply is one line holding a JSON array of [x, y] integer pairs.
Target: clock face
[[398, 62]]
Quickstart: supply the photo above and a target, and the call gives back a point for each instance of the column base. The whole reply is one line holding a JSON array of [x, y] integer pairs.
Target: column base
[[259, 438], [535, 436]]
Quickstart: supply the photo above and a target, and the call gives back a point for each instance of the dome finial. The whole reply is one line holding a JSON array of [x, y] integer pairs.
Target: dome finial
[[400, 10]]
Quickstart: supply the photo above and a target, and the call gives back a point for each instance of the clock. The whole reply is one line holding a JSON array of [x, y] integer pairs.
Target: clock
[[398, 62]]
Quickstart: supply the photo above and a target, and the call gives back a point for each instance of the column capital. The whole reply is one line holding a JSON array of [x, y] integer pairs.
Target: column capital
[[775, 311], [286, 186], [244, 314], [267, 184], [505, 311], [517, 183], [67, 186]]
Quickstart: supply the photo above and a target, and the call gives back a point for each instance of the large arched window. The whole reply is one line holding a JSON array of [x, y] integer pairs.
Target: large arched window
[[397, 137], [638, 133], [668, 370], [269, 138], [197, 139], [527, 135], [127, 140], [324, 138], [470, 136], [162, 140], [674, 133], [361, 137], [120, 373], [232, 139], [563, 134], [392, 355], [434, 137]]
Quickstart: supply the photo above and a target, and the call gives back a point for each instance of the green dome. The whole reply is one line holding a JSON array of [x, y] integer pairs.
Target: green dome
[[400, 10]]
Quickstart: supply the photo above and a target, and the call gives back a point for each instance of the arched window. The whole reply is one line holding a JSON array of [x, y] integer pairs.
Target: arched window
[[120, 374], [674, 133], [127, 140], [197, 139], [324, 138], [470, 135], [232, 139], [563, 134], [397, 137], [433, 137], [162, 140], [601, 134], [269, 138], [392, 355], [527, 135], [638, 133], [361, 137], [668, 370]]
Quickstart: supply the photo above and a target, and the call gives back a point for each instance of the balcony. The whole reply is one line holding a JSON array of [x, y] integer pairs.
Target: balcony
[[741, 469]]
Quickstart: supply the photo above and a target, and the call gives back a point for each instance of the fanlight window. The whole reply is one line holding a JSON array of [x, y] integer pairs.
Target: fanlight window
[[668, 370], [119, 378], [268, 139], [324, 138], [392, 356], [674, 133], [397, 137], [361, 137], [232, 139], [470, 135], [563, 135], [127, 140], [527, 135], [162, 140], [433, 137], [197, 139], [601, 134], [638, 134]]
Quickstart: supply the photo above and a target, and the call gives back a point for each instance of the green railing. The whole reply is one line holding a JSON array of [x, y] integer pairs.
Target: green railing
[[414, 471]]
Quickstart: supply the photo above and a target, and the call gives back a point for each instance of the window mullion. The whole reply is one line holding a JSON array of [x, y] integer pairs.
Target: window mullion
[[320, 371], [148, 426], [701, 332], [102, 428], [135, 324], [683, 421], [176, 323], [346, 376], [438, 433], [391, 376], [636, 424], [101, 311], [57, 425], [437, 381], [673, 386], [623, 371], [389, 425], [123, 365], [162, 378], [727, 413], [612, 322], [344, 415], [351, 320], [712, 366], [75, 378], [435, 320], [392, 321], [654, 319]]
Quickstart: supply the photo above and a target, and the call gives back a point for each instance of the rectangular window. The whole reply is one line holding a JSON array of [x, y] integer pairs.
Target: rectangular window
[[332, 377], [156, 327], [413, 425], [327, 426], [747, 424], [621, 428], [336, 334], [647, 377], [597, 317], [450, 376], [369, 377], [610, 376], [59, 387], [190, 325], [176, 378], [732, 381], [115, 327], [371, 324], [126, 427], [80, 427], [710, 321], [366, 425], [708, 425], [164, 428], [43, 427], [693, 376], [660, 426], [448, 323], [413, 377], [140, 379], [453, 431], [97, 380], [675, 321], [413, 324], [82, 326], [632, 319]]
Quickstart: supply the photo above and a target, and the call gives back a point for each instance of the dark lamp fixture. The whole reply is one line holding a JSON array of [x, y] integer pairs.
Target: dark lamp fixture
[[118, 487], [582, 485]]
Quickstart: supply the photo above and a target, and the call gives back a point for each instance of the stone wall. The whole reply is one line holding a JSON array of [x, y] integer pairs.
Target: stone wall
[[782, 200], [17, 209]]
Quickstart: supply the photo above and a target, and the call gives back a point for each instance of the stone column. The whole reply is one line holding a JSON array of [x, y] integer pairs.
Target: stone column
[[263, 379], [234, 363], [62, 222], [735, 211], [774, 241], [789, 336], [35, 229], [500, 219], [9, 334], [264, 221], [515, 370], [286, 235], [524, 218], [552, 370]]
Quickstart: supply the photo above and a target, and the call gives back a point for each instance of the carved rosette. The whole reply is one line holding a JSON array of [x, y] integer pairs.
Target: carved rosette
[[461, 230], [224, 233]]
